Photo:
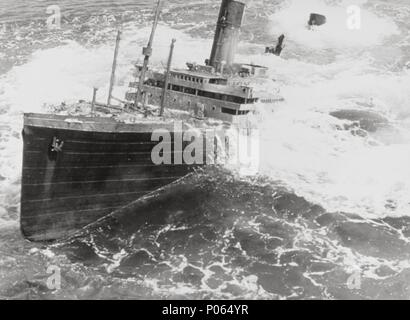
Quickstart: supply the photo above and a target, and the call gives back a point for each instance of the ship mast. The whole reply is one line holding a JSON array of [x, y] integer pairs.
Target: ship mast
[[147, 52], [114, 67], [164, 94]]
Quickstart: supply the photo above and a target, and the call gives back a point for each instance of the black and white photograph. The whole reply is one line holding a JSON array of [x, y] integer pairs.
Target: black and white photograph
[[217, 150]]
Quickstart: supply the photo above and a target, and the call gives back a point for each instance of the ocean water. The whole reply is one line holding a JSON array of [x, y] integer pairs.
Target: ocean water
[[327, 217]]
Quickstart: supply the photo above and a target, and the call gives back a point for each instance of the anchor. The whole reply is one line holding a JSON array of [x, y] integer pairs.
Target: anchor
[[55, 148]]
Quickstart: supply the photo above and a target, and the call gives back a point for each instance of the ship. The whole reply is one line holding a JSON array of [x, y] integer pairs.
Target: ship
[[78, 169]]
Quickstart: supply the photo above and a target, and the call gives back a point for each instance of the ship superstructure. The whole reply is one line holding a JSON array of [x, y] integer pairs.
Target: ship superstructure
[[214, 90]]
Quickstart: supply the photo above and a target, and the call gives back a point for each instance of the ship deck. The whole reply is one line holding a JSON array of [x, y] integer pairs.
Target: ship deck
[[96, 124]]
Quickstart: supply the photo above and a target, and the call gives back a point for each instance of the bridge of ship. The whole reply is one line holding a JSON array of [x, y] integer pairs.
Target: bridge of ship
[[189, 87]]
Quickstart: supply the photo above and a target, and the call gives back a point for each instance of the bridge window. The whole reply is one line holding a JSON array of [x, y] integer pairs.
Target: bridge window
[[218, 81], [207, 94], [177, 88], [251, 100], [229, 111], [235, 99], [189, 90]]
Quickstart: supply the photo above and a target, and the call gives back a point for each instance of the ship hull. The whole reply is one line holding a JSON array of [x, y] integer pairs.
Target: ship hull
[[78, 170]]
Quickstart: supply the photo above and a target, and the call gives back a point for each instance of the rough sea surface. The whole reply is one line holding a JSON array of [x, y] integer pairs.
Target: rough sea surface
[[328, 217]]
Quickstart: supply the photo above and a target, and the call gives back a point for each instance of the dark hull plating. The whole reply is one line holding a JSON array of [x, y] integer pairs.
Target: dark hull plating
[[101, 167]]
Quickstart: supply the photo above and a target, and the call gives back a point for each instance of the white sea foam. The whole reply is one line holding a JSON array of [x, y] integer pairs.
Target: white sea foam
[[300, 142], [303, 148], [69, 72], [292, 20]]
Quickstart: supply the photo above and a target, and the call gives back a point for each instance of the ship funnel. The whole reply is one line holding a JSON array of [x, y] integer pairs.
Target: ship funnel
[[227, 34]]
